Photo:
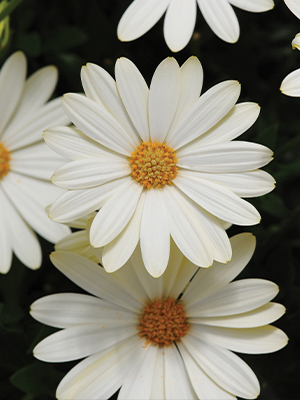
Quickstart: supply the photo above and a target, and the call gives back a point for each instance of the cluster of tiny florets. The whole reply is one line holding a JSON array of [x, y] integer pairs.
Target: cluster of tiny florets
[[4, 160], [153, 164]]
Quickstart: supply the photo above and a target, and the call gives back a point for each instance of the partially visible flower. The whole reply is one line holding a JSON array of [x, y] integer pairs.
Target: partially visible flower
[[296, 42], [294, 6], [26, 162], [291, 83], [164, 338], [180, 18], [158, 163]]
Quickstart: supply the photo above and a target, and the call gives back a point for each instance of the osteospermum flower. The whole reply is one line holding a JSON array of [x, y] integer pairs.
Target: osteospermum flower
[[158, 162], [294, 6], [291, 83], [26, 162], [140, 334], [180, 18]]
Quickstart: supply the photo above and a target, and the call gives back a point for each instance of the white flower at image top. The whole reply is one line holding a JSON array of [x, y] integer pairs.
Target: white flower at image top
[[166, 338], [180, 18], [294, 6], [158, 162], [291, 83], [26, 162]]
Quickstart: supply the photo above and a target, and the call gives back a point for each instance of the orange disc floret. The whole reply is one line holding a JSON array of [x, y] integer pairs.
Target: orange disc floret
[[153, 164], [4, 160], [163, 322]]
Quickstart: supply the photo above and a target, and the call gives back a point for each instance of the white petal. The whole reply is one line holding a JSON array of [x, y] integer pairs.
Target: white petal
[[218, 200], [296, 42], [179, 23], [115, 214], [90, 172], [36, 161], [12, 79], [177, 382], [30, 197], [208, 280], [139, 17], [134, 93], [221, 18], [65, 310], [186, 230], [291, 83], [225, 368], [261, 340], [294, 6], [235, 298], [77, 242], [93, 278], [253, 5], [263, 315], [117, 252], [163, 98], [101, 87], [77, 203], [155, 234], [139, 379], [158, 386], [97, 123], [100, 375], [5, 237], [31, 131], [206, 112], [205, 388]]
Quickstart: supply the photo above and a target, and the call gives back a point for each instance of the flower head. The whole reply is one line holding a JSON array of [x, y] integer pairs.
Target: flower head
[[26, 162], [180, 18], [166, 338]]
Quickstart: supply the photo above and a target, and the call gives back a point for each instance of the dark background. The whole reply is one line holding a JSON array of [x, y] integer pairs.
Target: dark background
[[70, 33]]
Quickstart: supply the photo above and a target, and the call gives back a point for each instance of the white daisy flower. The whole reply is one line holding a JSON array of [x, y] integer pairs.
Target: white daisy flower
[[143, 335], [158, 162], [180, 18], [26, 162], [294, 6], [291, 83]]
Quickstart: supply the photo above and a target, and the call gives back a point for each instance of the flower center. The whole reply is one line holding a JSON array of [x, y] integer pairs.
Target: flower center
[[4, 160], [153, 164], [163, 322]]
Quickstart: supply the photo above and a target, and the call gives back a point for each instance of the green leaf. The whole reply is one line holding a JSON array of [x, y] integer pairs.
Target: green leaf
[[64, 38], [273, 205], [30, 43]]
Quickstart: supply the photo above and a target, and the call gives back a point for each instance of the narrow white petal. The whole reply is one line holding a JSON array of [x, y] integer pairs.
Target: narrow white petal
[[75, 204], [260, 340], [158, 387], [65, 310], [253, 5], [139, 17], [218, 200], [206, 112], [263, 315], [115, 214], [186, 230], [77, 242], [191, 80], [163, 98], [294, 6], [221, 18], [205, 387], [225, 368], [105, 92], [139, 379], [179, 23], [97, 123], [235, 298], [296, 42], [177, 382], [93, 278], [207, 281], [155, 234], [30, 197], [100, 375], [12, 79], [5, 236], [134, 93], [117, 252], [291, 83]]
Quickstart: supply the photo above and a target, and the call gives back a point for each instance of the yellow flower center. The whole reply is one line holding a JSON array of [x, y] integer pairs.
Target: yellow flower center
[[4, 160], [163, 322], [153, 164]]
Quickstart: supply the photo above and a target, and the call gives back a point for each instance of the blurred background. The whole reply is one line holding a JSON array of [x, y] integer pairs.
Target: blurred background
[[70, 33]]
